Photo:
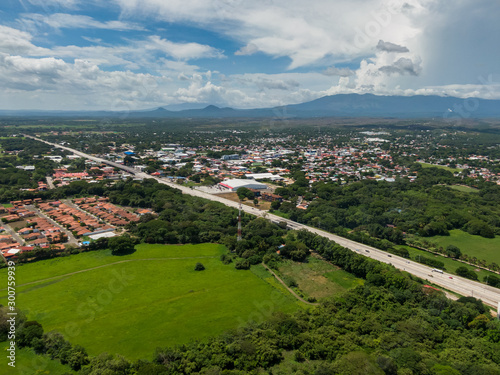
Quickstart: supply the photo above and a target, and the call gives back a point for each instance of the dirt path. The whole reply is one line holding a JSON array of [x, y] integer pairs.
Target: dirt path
[[104, 265], [288, 288]]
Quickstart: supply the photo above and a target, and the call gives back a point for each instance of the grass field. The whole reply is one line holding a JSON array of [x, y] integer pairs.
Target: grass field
[[319, 279], [465, 189], [27, 362], [477, 246], [450, 264], [263, 205], [135, 303], [454, 170]]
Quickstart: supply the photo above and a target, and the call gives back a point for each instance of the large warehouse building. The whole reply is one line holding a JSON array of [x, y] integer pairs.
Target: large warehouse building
[[234, 184]]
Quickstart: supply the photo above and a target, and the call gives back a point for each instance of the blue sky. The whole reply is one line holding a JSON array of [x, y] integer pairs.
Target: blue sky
[[136, 54]]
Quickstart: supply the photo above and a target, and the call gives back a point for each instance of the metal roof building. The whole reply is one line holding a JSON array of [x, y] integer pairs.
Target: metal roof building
[[234, 184]]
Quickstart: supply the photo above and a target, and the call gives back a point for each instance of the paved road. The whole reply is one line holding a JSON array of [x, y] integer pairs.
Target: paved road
[[14, 234], [462, 286], [50, 182]]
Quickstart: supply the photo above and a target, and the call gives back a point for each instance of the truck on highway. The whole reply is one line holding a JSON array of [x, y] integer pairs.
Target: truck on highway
[[437, 270]]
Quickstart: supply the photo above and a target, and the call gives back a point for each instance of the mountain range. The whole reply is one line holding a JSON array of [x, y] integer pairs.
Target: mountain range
[[342, 105]]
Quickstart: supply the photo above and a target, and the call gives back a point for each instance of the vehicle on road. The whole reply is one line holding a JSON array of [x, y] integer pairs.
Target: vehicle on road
[[451, 277]]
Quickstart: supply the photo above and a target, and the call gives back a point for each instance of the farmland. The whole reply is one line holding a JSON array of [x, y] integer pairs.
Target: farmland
[[474, 246], [153, 297]]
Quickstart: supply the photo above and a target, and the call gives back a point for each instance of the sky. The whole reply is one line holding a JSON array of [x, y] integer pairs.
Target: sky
[[123, 55]]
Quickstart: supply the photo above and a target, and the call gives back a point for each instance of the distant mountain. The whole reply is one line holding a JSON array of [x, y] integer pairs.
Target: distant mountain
[[343, 105], [396, 106]]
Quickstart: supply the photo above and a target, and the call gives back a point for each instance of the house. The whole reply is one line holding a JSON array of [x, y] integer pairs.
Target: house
[[33, 236], [6, 239], [10, 218], [24, 231], [40, 242], [271, 197]]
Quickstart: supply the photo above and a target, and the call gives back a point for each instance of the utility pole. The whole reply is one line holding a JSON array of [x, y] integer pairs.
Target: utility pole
[[239, 223]]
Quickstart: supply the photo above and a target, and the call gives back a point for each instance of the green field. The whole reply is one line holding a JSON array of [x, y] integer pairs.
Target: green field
[[465, 189], [427, 165], [450, 264], [474, 246], [318, 278], [29, 363], [135, 303]]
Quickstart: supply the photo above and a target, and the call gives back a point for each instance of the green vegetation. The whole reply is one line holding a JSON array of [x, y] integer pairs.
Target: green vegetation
[[450, 264], [317, 278], [151, 298], [474, 246], [27, 362], [465, 189], [389, 325], [344, 279], [427, 165]]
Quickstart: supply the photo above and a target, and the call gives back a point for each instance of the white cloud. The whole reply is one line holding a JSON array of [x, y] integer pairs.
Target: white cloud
[[17, 42], [306, 32], [181, 51], [50, 4], [341, 72], [59, 81], [391, 47], [367, 36], [64, 20], [402, 66], [249, 49]]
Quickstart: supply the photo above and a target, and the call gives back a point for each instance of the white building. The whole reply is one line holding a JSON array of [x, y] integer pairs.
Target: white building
[[235, 184], [262, 176]]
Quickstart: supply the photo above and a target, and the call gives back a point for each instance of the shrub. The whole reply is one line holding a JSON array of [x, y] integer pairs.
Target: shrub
[[242, 264], [199, 267]]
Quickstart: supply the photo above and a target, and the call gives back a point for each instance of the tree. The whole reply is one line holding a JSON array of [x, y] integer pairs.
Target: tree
[[243, 193], [56, 346], [121, 245], [465, 272], [453, 251], [128, 160], [199, 267], [78, 357], [242, 264], [29, 331]]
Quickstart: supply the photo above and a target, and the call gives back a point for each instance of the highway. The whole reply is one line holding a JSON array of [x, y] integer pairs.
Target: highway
[[465, 287]]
